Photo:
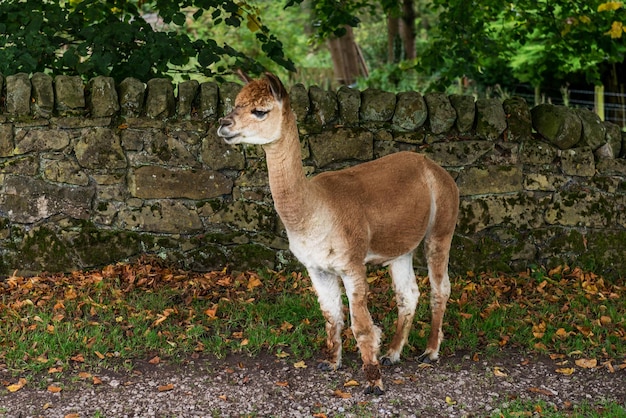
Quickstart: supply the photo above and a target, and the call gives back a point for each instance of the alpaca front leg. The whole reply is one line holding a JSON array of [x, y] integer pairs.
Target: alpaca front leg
[[367, 334], [328, 292]]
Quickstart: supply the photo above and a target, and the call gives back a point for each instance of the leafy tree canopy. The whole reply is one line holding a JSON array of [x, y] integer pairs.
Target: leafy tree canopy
[[536, 41], [112, 37]]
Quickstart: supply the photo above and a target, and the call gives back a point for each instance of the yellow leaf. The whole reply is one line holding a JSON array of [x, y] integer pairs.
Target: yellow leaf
[[566, 371], [300, 365], [610, 6], [450, 401], [282, 354], [350, 383], [99, 354], [498, 372], [605, 320], [17, 386], [586, 363], [616, 30]]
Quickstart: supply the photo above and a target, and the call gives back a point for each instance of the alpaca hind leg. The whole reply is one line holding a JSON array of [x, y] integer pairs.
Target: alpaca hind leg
[[407, 296], [437, 255]]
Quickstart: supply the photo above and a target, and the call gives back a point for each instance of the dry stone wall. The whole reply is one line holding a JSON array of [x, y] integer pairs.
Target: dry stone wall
[[92, 174]]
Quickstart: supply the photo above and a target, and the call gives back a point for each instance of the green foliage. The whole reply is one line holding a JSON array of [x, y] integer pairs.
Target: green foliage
[[112, 37], [540, 42]]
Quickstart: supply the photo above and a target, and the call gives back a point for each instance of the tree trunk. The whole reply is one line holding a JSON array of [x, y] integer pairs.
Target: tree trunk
[[407, 29], [393, 38], [348, 62]]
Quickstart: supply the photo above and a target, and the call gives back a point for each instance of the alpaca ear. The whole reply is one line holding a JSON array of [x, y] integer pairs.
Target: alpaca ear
[[276, 87], [243, 76]]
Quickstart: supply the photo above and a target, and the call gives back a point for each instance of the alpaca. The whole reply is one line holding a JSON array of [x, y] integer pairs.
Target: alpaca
[[337, 222]]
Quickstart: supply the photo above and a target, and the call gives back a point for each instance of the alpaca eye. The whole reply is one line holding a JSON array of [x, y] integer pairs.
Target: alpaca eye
[[259, 113]]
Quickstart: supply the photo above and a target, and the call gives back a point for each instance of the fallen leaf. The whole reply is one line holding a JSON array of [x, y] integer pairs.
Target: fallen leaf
[[498, 372], [338, 393], [54, 389], [17, 386], [47, 405], [566, 371], [450, 401], [99, 354], [254, 282], [282, 354], [223, 397], [79, 358], [350, 383], [165, 388], [282, 384], [541, 391], [72, 416], [155, 360], [84, 375], [211, 312], [55, 370], [605, 320], [398, 381], [319, 415], [300, 365], [586, 363], [96, 380]]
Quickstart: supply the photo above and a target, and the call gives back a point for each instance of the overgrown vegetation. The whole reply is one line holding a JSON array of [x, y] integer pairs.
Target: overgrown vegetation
[[127, 311], [79, 322]]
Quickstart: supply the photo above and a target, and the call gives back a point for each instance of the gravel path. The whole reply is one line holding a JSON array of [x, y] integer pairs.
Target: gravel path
[[458, 386]]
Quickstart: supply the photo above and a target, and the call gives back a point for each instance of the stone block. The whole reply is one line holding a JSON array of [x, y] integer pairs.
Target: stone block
[[490, 119], [18, 93], [582, 208], [340, 145], [247, 216], [465, 108], [227, 94], [187, 92], [164, 217], [324, 106], [377, 105], [459, 154], [613, 138], [27, 165], [99, 148], [349, 100], [300, 102], [208, 100], [102, 97], [559, 125], [520, 210], [578, 162], [160, 102], [411, 111], [6, 140], [70, 95], [43, 95], [218, 155], [518, 118], [593, 130], [30, 140], [131, 92], [441, 114], [154, 182], [65, 171], [29, 200], [537, 153], [490, 180]]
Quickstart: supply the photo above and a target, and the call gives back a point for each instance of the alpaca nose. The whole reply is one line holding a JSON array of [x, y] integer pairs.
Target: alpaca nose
[[225, 121]]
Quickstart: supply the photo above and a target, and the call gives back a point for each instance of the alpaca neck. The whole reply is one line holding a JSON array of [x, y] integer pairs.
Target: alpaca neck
[[288, 184]]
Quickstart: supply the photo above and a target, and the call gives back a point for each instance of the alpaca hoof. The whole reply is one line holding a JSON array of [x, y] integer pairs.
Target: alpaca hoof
[[425, 359], [327, 366], [386, 361], [374, 390]]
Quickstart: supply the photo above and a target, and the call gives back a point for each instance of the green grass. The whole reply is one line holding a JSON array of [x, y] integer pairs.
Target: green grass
[[113, 317], [543, 409]]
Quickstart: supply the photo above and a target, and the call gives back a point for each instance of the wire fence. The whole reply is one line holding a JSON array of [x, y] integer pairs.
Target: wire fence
[[613, 105]]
